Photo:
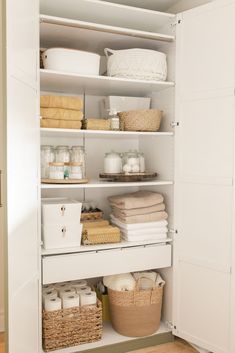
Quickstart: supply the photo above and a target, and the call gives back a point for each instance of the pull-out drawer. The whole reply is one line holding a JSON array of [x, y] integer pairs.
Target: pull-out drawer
[[59, 268]]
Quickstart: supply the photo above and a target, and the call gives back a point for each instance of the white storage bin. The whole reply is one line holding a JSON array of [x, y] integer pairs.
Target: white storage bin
[[70, 60], [60, 211], [122, 104], [139, 64], [56, 236]]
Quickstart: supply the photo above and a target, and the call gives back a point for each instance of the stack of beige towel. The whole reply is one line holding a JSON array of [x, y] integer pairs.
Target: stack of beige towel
[[140, 216], [61, 112]]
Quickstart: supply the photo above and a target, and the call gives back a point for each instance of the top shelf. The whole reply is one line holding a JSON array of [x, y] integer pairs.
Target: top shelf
[[106, 13]]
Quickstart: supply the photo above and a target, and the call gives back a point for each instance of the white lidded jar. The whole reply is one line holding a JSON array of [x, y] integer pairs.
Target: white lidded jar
[[131, 162], [112, 163]]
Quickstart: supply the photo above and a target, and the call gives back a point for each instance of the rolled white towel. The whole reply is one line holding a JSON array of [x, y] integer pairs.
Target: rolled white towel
[[146, 274], [122, 282], [159, 281]]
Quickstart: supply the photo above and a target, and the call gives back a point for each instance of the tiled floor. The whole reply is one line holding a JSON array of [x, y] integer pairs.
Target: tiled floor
[[176, 347]]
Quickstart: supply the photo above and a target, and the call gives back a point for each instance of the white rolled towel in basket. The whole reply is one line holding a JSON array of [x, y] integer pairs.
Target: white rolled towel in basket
[[122, 282], [141, 64]]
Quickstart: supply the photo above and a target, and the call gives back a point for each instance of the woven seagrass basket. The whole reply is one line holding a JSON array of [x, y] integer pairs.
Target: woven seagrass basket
[[141, 120], [136, 313], [71, 327]]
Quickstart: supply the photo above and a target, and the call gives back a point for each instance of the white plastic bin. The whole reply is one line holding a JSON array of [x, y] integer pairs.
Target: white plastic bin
[[61, 210], [57, 236]]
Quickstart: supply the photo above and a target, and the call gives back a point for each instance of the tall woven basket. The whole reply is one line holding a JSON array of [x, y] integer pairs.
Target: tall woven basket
[[71, 327], [136, 313]]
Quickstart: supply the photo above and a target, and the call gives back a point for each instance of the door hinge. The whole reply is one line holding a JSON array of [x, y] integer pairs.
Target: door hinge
[[170, 325], [173, 231], [175, 123], [175, 23]]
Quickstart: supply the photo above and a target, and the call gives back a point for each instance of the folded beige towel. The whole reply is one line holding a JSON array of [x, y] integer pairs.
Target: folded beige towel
[[150, 217], [61, 124], [61, 114], [117, 212], [96, 124], [136, 200], [64, 102]]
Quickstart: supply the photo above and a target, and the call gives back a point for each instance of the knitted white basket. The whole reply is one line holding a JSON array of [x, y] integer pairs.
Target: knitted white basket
[[141, 64]]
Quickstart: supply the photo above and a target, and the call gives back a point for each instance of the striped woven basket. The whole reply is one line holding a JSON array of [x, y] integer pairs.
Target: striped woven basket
[[141, 120]]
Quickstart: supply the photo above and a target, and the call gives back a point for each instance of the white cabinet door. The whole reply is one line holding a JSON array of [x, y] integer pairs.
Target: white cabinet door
[[204, 175], [22, 176]]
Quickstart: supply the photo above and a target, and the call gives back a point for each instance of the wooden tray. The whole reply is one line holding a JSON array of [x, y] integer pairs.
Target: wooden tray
[[128, 177], [64, 181]]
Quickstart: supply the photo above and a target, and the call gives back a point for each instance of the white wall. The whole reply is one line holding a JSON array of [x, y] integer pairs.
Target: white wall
[[183, 5]]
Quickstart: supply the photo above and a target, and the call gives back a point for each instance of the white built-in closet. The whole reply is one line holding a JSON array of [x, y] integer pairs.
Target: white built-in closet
[[193, 154]]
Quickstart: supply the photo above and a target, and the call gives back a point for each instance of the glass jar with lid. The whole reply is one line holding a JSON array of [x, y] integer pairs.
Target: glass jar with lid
[[75, 170], [62, 154], [131, 162], [112, 163], [56, 170], [77, 155], [142, 162], [47, 156]]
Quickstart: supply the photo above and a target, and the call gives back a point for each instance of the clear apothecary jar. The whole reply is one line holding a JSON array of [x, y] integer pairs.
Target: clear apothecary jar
[[47, 156], [56, 170], [131, 162], [112, 163], [62, 154], [77, 161]]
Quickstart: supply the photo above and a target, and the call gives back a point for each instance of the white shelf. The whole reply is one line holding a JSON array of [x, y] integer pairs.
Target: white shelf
[[88, 248], [106, 13], [56, 81], [67, 33], [48, 132], [110, 337], [106, 184]]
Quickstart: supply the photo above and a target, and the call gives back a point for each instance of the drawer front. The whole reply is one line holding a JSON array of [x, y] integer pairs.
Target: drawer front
[[61, 235], [61, 212], [68, 267]]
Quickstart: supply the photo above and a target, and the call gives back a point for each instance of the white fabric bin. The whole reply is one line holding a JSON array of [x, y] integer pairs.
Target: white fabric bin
[[57, 236], [60, 211]]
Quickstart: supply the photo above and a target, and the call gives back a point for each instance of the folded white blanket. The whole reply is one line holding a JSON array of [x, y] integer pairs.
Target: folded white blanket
[[123, 282], [149, 231], [146, 237], [137, 226]]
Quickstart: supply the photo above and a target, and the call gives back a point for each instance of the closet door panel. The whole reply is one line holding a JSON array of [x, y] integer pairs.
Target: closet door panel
[[23, 162], [205, 136], [207, 44], [205, 110]]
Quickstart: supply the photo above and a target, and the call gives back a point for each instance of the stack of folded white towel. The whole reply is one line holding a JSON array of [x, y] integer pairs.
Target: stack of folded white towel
[[130, 281], [140, 216]]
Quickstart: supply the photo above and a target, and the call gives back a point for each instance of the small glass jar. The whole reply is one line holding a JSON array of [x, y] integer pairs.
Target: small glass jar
[[47, 156], [114, 120], [56, 170], [131, 162], [112, 163], [142, 162], [75, 170], [62, 154], [77, 155]]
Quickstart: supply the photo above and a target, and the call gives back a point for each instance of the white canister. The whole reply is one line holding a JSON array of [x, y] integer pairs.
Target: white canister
[[112, 163]]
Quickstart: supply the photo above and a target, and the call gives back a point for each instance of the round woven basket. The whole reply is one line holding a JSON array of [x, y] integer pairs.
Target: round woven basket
[[136, 313], [141, 120]]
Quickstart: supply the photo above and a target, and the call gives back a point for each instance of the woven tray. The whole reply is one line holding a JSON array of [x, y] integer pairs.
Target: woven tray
[[71, 327], [100, 236], [128, 177], [65, 181]]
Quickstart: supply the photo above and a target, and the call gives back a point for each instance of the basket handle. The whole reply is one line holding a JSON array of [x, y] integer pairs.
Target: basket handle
[[108, 51]]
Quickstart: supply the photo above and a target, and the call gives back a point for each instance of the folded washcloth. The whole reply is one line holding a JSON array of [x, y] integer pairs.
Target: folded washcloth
[[144, 237], [138, 226], [117, 212], [150, 217], [61, 114], [96, 124], [136, 200], [123, 282], [152, 231], [64, 102], [60, 124]]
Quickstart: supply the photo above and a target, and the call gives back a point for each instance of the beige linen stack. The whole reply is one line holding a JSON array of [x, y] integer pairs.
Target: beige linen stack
[[61, 112]]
